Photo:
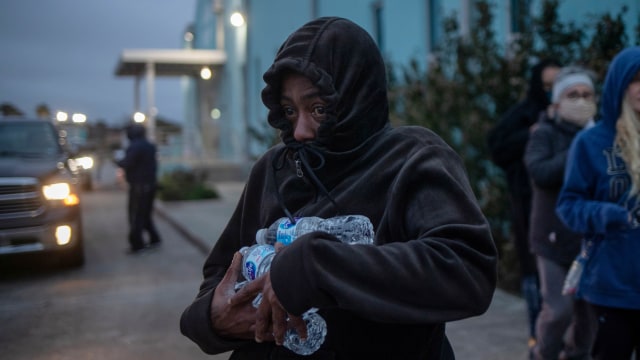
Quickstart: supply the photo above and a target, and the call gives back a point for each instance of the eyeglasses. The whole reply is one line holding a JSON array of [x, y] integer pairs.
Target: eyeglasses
[[575, 95]]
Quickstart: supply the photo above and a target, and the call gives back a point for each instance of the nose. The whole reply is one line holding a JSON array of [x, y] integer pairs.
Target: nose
[[304, 128]]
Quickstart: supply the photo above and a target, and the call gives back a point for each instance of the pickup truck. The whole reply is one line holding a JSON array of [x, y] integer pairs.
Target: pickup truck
[[39, 196]]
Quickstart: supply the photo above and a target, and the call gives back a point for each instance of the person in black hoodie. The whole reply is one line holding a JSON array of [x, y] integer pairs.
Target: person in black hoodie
[[433, 261], [507, 142], [140, 167]]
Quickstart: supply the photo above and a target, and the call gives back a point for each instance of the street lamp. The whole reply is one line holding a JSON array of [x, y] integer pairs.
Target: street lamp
[[139, 117], [79, 118], [62, 116]]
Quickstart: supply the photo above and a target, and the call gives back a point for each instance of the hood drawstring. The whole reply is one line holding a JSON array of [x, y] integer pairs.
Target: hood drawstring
[[302, 152]]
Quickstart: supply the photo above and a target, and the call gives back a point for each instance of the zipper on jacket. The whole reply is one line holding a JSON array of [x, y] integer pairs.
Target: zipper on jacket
[[299, 172]]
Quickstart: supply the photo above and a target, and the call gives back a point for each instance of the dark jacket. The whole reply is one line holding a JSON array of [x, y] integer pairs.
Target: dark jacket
[[507, 142], [545, 158], [434, 260], [508, 139], [140, 163]]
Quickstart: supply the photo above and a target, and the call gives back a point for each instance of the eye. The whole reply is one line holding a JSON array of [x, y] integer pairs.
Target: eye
[[319, 111], [288, 111]]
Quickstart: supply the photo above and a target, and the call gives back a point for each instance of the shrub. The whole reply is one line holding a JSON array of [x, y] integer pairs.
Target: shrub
[[185, 185]]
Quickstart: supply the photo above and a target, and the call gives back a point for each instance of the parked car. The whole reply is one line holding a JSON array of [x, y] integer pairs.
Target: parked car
[[39, 197]]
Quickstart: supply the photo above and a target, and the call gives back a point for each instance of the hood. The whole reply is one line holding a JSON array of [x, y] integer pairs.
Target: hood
[[40, 168], [343, 61], [135, 132], [621, 71], [536, 91]]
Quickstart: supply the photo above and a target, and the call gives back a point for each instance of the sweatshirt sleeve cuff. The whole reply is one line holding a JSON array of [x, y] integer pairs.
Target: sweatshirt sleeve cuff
[[291, 276]]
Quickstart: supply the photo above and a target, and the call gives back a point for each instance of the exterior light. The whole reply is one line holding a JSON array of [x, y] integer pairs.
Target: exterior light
[[62, 116], [215, 114], [205, 73], [139, 117], [57, 191], [188, 36], [63, 234], [78, 118], [237, 19]]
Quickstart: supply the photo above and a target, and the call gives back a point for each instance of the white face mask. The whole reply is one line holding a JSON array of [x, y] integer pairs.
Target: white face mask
[[577, 112]]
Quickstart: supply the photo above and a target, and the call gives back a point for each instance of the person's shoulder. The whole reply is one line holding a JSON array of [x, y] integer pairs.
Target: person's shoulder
[[416, 136]]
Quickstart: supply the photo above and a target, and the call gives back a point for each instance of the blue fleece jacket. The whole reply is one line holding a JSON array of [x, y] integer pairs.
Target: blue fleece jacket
[[595, 199]]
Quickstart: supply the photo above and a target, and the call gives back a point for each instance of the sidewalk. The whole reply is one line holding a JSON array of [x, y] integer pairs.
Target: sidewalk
[[499, 334]]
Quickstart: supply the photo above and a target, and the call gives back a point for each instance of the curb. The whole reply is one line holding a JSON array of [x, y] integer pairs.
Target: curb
[[195, 240]]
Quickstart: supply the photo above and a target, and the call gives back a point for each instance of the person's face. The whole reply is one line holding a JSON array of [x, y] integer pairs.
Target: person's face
[[302, 106], [633, 93], [578, 91], [548, 76]]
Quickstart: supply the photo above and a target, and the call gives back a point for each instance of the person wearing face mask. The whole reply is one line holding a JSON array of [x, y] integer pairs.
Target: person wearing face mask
[[554, 245], [600, 199]]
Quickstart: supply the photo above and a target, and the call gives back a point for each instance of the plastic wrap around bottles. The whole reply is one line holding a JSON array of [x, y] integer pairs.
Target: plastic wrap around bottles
[[349, 229]]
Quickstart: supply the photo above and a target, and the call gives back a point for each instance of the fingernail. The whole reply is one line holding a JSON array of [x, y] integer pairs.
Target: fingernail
[[258, 340]]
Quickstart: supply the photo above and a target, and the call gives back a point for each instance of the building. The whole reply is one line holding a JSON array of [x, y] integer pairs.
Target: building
[[231, 43]]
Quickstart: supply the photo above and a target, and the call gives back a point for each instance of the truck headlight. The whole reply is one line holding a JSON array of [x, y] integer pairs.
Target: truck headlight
[[60, 191]]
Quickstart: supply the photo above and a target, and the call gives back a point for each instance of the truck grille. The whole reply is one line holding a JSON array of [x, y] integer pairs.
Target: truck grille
[[20, 197]]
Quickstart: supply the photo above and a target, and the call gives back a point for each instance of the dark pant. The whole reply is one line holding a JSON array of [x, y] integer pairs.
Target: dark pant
[[564, 324], [141, 198], [618, 333]]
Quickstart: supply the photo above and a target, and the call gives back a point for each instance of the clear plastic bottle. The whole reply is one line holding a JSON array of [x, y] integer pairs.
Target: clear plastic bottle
[[350, 229], [256, 260], [573, 276]]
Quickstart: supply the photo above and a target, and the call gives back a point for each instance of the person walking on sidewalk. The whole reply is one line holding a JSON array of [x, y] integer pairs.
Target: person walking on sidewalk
[[600, 199], [555, 246], [140, 167], [433, 261]]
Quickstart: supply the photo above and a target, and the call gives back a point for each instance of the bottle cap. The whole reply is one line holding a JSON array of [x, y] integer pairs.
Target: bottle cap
[[261, 236]]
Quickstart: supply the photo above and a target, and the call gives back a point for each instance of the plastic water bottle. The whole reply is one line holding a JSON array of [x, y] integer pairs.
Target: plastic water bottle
[[573, 276], [256, 261], [349, 229]]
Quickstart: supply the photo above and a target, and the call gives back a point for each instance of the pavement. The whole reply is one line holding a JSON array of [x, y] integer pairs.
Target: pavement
[[499, 334]]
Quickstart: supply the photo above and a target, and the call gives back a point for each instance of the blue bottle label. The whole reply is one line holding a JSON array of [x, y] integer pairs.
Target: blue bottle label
[[254, 259], [286, 232]]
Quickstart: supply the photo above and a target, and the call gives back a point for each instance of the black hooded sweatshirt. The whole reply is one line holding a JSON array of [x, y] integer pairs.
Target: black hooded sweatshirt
[[434, 259]]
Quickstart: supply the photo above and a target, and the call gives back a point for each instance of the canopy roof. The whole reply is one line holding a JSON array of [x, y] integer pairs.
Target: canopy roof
[[168, 62]]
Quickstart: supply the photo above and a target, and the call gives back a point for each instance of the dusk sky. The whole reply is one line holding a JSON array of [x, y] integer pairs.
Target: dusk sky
[[63, 53]]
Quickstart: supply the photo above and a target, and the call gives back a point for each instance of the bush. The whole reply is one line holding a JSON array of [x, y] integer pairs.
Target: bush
[[184, 185]]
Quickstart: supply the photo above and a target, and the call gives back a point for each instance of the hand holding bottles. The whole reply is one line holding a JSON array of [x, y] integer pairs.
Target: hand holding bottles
[[305, 335]]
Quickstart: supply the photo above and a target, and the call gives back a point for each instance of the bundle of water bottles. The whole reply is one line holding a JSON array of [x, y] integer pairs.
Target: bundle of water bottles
[[256, 260]]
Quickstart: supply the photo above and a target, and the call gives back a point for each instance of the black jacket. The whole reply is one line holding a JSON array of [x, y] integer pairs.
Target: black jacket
[[434, 260], [508, 139], [545, 158], [140, 163]]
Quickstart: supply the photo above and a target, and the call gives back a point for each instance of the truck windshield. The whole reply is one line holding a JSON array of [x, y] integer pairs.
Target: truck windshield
[[28, 139]]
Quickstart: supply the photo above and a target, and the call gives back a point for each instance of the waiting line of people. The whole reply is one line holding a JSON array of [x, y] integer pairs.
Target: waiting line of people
[[585, 181]]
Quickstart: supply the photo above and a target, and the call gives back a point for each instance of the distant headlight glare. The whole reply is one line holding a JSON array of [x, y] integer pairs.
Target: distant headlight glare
[[59, 191], [85, 162]]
